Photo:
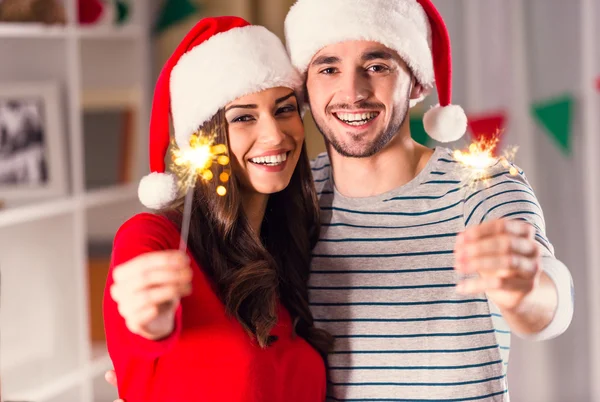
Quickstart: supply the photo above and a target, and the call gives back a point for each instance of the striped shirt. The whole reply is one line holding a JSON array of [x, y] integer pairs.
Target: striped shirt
[[382, 282]]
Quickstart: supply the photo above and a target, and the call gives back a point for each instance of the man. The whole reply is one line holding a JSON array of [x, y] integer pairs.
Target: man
[[418, 312], [421, 272]]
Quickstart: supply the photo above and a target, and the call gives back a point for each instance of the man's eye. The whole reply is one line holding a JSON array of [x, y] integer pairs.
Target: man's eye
[[378, 68]]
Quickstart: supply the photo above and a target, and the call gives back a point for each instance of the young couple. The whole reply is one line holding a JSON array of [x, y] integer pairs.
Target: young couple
[[383, 275]]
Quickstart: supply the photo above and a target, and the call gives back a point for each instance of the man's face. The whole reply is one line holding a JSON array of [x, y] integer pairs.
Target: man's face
[[359, 93]]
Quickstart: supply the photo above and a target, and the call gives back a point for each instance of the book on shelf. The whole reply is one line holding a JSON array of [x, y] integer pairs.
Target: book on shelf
[[98, 265], [108, 139]]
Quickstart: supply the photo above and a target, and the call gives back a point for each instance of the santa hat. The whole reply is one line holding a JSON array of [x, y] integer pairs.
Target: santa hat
[[413, 28], [218, 61]]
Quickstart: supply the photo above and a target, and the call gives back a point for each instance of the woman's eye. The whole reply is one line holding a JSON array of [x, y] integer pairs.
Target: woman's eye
[[286, 109], [328, 71], [242, 119]]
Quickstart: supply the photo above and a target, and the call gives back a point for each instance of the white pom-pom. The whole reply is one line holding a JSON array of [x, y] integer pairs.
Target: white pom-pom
[[157, 190], [445, 124]]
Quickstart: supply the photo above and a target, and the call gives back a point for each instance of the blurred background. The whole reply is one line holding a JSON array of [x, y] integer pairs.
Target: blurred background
[[76, 81]]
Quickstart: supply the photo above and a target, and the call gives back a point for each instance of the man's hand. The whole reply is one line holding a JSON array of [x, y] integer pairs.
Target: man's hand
[[506, 258], [111, 378]]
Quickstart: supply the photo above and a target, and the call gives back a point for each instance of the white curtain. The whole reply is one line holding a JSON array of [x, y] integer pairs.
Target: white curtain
[[494, 69]]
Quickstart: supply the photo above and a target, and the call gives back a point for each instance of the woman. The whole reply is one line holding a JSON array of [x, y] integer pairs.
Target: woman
[[229, 321]]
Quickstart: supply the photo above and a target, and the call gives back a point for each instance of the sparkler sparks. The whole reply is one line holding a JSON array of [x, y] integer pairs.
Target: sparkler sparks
[[193, 163], [480, 157], [197, 161]]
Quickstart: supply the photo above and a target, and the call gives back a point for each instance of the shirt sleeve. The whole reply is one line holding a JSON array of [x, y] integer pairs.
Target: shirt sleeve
[[141, 234], [506, 193]]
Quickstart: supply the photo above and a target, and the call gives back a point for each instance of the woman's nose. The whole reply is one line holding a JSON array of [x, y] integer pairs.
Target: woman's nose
[[271, 132]]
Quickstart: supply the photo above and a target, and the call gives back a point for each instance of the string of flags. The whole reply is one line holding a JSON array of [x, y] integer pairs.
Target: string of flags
[[174, 12], [554, 115], [104, 12]]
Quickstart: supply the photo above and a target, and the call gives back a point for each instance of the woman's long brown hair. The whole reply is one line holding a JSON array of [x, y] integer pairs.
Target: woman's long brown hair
[[252, 272]]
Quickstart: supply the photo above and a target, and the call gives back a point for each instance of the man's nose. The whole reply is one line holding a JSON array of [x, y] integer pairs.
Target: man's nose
[[354, 88]]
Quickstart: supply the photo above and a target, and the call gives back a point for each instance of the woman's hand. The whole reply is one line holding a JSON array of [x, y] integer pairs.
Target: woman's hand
[[147, 290]]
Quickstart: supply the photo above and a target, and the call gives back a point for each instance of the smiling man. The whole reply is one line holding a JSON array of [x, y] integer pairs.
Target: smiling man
[[420, 274], [367, 128]]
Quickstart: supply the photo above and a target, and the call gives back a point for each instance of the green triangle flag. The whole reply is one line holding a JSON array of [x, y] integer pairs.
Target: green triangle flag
[[173, 12], [122, 11], [417, 130], [555, 116]]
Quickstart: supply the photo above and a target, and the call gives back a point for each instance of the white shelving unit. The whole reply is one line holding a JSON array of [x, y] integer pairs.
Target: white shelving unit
[[46, 352]]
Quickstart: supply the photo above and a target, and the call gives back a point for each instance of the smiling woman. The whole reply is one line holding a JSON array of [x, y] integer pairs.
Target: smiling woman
[[266, 138], [229, 320]]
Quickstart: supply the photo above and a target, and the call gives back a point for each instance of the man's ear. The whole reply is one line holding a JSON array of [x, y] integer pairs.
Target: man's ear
[[418, 92], [305, 91]]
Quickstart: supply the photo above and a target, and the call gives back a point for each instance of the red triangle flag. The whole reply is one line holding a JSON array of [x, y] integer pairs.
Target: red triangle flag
[[598, 83], [487, 126]]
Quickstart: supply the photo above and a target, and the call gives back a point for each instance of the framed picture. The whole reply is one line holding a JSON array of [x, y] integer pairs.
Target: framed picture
[[32, 141]]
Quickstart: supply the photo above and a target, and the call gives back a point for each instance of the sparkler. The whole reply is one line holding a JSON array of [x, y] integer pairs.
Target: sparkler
[[480, 156], [195, 163]]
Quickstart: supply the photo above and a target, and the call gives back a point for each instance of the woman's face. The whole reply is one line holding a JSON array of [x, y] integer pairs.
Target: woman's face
[[265, 139]]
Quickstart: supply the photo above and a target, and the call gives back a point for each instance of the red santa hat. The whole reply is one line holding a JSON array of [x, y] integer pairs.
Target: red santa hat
[[413, 28], [218, 61]]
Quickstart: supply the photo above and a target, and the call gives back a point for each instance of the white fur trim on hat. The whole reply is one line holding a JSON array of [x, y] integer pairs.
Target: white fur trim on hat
[[157, 190], [401, 25], [445, 124], [225, 67]]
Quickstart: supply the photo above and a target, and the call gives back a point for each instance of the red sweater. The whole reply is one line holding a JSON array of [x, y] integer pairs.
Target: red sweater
[[208, 357]]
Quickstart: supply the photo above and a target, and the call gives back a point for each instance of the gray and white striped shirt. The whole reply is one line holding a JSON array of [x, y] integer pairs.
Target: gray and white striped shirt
[[382, 282]]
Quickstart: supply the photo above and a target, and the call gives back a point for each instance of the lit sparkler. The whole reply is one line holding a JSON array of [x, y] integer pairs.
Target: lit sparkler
[[480, 156], [193, 163]]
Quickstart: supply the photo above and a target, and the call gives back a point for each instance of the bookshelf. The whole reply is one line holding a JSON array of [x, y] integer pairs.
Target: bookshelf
[[46, 349]]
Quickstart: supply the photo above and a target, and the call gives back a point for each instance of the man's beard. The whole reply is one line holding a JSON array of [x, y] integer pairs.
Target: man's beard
[[381, 139]]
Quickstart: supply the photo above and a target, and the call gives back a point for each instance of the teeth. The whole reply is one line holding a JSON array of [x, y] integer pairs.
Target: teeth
[[271, 160], [361, 118]]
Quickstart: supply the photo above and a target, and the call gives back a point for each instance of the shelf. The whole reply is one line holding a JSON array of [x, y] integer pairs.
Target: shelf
[[110, 195], [105, 74], [100, 361], [51, 390], [44, 31], [32, 30], [40, 210], [46, 209], [111, 32], [99, 364]]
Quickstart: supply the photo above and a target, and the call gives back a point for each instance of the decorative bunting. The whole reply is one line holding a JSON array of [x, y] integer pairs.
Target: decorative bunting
[[555, 117], [417, 130], [90, 11], [487, 127], [122, 7], [173, 12]]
